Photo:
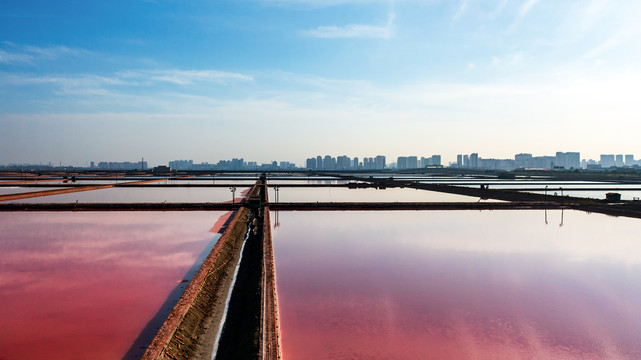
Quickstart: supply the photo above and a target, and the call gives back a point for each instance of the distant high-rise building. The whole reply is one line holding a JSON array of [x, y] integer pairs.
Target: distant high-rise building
[[181, 164], [430, 161], [474, 160], [355, 163], [607, 160], [285, 165], [466, 161], [523, 160], [401, 163], [574, 160], [619, 160], [327, 163], [412, 162], [568, 160], [311, 163], [560, 160], [496, 164], [121, 165], [379, 162], [459, 160], [629, 160], [543, 162], [238, 164], [319, 163], [342, 163]]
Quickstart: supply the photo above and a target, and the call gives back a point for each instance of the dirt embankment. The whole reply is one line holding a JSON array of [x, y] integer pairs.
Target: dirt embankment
[[201, 307], [270, 323], [250, 328]]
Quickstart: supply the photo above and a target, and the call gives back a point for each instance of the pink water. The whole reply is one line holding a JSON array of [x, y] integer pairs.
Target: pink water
[[85, 285], [147, 194], [458, 285], [292, 194]]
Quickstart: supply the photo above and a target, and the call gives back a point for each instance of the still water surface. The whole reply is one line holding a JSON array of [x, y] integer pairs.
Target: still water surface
[[458, 285], [85, 285], [146, 194], [328, 194]]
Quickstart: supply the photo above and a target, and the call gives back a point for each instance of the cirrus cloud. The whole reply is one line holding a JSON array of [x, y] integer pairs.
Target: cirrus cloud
[[354, 31]]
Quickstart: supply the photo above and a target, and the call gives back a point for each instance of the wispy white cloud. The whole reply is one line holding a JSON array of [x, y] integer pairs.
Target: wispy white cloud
[[604, 46], [498, 9], [595, 9], [354, 31], [527, 6], [78, 79], [523, 10], [52, 52], [73, 86], [28, 54], [121, 84], [7, 57], [186, 77], [461, 10], [318, 3], [508, 59]]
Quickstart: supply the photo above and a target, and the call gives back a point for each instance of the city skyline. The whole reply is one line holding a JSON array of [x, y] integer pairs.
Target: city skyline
[[561, 160], [264, 79]]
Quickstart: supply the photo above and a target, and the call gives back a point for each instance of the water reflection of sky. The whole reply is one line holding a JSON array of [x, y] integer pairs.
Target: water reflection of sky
[[84, 285], [458, 285], [333, 194], [17, 190], [141, 194]]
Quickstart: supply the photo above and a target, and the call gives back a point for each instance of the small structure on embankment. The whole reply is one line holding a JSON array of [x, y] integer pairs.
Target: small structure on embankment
[[229, 310]]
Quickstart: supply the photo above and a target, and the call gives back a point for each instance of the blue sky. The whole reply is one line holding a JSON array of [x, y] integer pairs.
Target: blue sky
[[269, 80]]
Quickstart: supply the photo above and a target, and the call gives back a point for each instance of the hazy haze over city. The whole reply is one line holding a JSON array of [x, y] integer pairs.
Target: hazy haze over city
[[266, 80]]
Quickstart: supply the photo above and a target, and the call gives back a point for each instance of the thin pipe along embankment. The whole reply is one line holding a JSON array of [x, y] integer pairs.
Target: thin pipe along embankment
[[320, 206], [285, 185], [179, 185], [632, 210], [288, 206], [483, 191], [33, 194], [191, 331], [28, 182], [270, 322], [628, 209]]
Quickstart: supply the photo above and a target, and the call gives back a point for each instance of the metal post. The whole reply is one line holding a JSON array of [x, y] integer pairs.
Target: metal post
[[233, 194], [561, 224]]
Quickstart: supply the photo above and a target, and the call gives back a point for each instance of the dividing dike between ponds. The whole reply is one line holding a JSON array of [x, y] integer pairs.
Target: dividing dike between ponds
[[250, 327]]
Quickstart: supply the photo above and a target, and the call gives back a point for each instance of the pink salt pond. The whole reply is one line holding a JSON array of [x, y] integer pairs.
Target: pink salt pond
[[94, 285], [458, 285]]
